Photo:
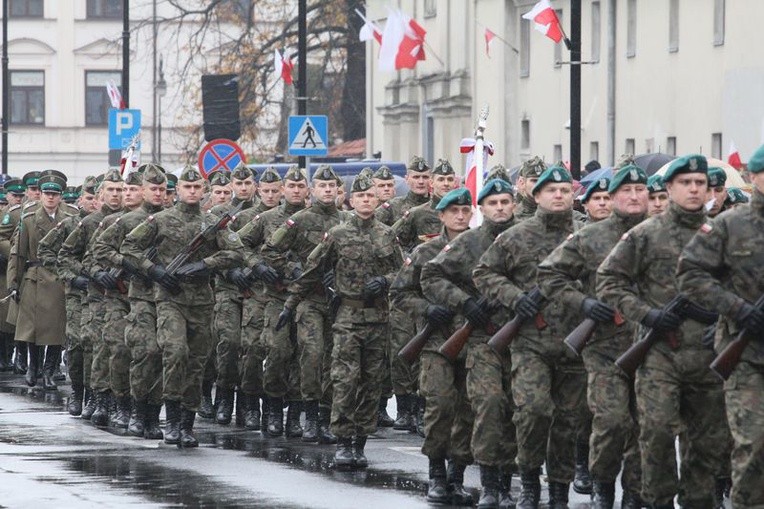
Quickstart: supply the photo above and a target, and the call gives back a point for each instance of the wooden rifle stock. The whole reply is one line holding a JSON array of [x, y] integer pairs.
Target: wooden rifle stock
[[501, 340], [581, 335], [454, 344], [726, 362], [411, 350]]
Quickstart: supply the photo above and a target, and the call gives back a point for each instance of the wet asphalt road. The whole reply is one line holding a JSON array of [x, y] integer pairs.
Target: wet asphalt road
[[50, 459]]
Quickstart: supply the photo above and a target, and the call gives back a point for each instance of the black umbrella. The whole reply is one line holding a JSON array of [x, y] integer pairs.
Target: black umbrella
[[652, 162]]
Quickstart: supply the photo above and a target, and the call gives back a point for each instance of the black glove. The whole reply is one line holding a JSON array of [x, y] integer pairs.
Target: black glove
[[80, 283], [129, 267], [597, 311], [105, 280], [238, 277], [328, 279], [476, 312], [662, 320], [15, 294], [284, 318], [438, 315], [375, 287], [193, 270], [266, 274], [526, 308], [164, 278], [751, 319]]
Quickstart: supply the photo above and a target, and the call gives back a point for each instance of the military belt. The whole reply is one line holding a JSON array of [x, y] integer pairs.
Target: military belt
[[33, 263], [364, 304]]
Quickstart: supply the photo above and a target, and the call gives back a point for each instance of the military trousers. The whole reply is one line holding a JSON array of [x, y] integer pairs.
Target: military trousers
[[357, 369], [489, 388], [677, 392], [184, 333], [281, 369], [145, 354], [448, 417], [314, 341], [90, 335], [117, 351], [613, 440], [549, 390], [743, 393], [403, 376], [252, 346], [74, 347], [226, 328]]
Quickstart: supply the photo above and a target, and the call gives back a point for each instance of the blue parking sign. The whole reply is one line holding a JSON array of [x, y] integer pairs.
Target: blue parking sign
[[123, 126]]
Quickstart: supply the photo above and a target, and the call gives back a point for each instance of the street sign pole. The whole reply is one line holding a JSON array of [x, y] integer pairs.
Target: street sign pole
[[575, 89], [302, 68]]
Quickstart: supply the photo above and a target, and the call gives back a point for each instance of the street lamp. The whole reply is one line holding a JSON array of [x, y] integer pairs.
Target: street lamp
[[161, 91]]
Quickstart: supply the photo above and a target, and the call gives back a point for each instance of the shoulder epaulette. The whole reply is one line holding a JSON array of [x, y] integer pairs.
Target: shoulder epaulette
[[30, 204], [386, 205], [27, 214], [73, 206], [17, 206]]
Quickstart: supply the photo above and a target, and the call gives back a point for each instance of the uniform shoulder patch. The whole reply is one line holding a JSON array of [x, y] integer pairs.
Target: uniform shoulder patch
[[406, 214], [386, 205], [326, 236], [706, 228], [446, 248], [6, 218], [290, 223], [569, 237], [256, 218], [625, 236], [150, 219], [407, 261]]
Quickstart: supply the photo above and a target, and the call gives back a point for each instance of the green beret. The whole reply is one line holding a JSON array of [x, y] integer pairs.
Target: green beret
[[153, 174], [716, 177], [655, 184], [134, 178], [361, 183], [495, 186], [56, 173], [552, 175], [384, 173], [219, 178], [366, 172], [172, 182], [270, 175], [596, 186], [533, 168], [190, 174], [756, 162], [443, 167], [460, 196], [70, 194], [628, 174], [243, 172], [31, 178], [15, 186], [296, 174], [418, 164], [693, 163], [51, 184], [735, 195], [324, 172], [498, 172]]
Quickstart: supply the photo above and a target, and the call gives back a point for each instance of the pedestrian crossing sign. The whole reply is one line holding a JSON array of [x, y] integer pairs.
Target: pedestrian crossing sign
[[308, 135]]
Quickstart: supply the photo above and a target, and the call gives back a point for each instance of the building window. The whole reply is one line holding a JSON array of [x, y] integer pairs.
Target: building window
[[631, 28], [557, 157], [719, 11], [108, 9], [671, 145], [558, 47], [97, 101], [596, 29], [594, 151], [673, 26], [25, 9], [716, 145], [629, 147], [28, 97], [525, 48], [525, 135], [649, 145], [430, 8]]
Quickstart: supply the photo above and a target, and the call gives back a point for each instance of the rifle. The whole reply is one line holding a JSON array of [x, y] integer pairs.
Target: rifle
[[504, 336], [120, 273], [725, 362], [581, 335], [411, 350], [455, 343]]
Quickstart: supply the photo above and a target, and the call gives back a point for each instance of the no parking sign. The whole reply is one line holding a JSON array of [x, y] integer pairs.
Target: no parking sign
[[221, 155]]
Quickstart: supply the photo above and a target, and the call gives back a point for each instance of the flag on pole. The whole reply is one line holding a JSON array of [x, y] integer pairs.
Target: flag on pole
[[402, 43], [115, 97], [471, 180], [283, 66], [545, 20], [734, 157], [489, 37], [369, 29]]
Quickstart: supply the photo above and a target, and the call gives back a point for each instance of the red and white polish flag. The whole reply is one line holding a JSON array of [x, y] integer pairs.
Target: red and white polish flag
[[734, 157], [402, 43], [283, 66], [369, 30], [489, 37], [545, 20], [115, 97]]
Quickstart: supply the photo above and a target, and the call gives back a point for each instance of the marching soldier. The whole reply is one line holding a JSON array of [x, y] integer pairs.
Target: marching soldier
[[384, 184], [596, 201], [717, 178], [184, 298], [548, 382], [14, 192], [530, 171], [418, 180], [567, 275], [675, 391], [447, 279], [721, 268], [658, 200], [220, 188], [364, 255]]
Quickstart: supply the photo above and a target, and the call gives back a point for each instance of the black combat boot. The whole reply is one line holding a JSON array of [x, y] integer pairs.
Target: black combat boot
[[34, 360], [293, 428], [603, 495], [187, 438], [89, 400], [20, 365], [151, 429], [225, 405], [489, 494], [100, 415], [582, 482], [40, 363], [275, 417], [437, 492], [383, 418], [343, 457], [530, 492], [310, 431], [52, 360], [264, 414], [418, 427], [58, 375], [325, 435], [172, 426], [252, 415], [455, 476], [359, 458], [558, 495], [74, 406], [206, 409], [506, 500], [137, 424], [403, 419]]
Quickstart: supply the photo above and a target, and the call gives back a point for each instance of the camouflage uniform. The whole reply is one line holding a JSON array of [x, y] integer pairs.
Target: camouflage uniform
[[675, 390], [391, 211], [720, 268]]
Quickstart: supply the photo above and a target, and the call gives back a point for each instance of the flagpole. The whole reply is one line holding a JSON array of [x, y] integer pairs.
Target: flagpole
[[478, 155], [499, 37], [433, 53]]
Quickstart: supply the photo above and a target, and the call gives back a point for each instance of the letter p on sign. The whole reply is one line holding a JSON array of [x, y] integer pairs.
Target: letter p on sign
[[123, 126]]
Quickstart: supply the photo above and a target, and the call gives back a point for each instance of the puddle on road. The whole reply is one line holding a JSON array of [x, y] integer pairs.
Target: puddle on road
[[54, 400]]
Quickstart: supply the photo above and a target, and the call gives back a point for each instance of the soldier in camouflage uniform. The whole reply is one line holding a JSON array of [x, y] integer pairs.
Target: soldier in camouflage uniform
[[716, 190], [548, 382], [530, 171], [184, 297], [448, 418], [295, 239], [596, 200], [721, 268], [364, 255], [567, 275], [418, 180], [675, 391], [659, 198], [220, 188]]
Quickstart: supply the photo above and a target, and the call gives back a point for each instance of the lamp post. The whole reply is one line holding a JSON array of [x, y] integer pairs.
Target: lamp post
[[161, 91]]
